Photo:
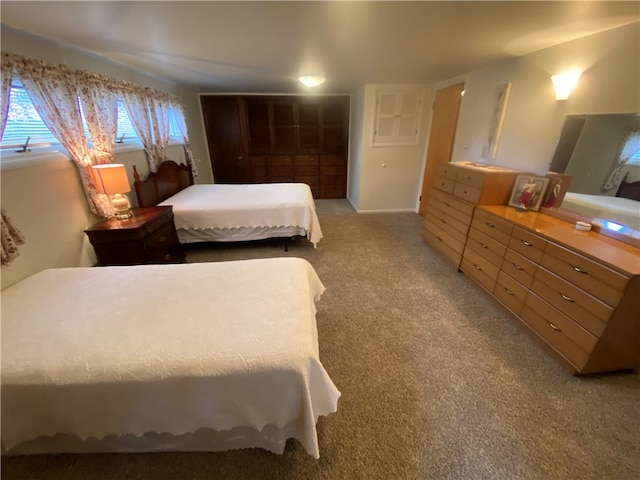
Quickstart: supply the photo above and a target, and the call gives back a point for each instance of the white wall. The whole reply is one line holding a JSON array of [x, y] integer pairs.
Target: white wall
[[388, 178], [610, 83]]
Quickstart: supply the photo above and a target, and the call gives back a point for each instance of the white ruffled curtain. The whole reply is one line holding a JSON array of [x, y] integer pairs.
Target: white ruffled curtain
[[99, 98], [52, 90], [159, 110], [629, 145], [10, 236], [177, 106], [136, 103]]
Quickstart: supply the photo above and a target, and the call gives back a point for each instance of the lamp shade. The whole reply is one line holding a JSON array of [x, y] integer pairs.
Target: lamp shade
[[564, 83], [111, 178]]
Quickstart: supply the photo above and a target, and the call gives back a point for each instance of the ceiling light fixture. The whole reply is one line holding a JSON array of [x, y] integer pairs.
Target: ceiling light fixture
[[565, 82], [311, 80]]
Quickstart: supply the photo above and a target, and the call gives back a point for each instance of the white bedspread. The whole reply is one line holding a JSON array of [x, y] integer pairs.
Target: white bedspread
[[164, 348], [619, 210], [226, 206]]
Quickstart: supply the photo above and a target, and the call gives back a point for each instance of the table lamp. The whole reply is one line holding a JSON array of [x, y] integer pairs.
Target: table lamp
[[111, 180]]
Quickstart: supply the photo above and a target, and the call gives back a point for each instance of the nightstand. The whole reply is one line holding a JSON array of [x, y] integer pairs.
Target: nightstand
[[149, 236]]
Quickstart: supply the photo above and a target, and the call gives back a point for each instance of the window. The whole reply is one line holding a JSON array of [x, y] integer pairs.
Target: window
[[23, 121]]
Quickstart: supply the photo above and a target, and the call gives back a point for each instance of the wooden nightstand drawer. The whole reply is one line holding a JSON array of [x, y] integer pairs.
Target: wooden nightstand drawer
[[149, 236]]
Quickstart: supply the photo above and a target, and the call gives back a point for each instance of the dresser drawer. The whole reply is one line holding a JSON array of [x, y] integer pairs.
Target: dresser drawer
[[495, 227], [571, 340], [444, 184], [527, 244], [445, 170], [280, 171], [584, 309], [258, 161], [486, 246], [306, 160], [519, 267], [308, 180], [480, 269], [471, 178], [463, 211], [510, 292], [159, 245], [467, 193], [448, 210], [440, 243], [259, 172], [600, 281], [280, 161], [306, 170], [450, 236], [447, 222]]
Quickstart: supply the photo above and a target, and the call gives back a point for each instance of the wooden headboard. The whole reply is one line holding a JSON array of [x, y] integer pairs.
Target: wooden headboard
[[629, 190], [158, 186]]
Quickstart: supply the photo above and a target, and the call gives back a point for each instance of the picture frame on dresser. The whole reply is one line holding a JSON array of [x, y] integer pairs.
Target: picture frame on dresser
[[528, 192]]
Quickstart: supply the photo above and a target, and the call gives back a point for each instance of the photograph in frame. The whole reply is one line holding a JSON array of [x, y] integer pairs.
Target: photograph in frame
[[528, 192]]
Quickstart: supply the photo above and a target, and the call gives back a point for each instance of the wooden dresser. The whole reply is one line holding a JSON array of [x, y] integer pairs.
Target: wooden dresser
[[149, 236], [457, 189], [576, 293]]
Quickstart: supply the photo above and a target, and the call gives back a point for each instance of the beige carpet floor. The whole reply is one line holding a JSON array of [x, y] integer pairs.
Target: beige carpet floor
[[436, 382]]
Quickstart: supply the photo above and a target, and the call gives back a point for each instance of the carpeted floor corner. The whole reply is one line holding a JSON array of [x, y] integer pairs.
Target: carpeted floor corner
[[436, 382]]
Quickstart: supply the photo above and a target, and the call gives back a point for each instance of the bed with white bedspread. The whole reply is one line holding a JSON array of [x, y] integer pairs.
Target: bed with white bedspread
[[205, 356], [229, 212]]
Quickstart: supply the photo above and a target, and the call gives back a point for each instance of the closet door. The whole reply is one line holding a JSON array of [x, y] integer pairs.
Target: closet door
[[223, 128]]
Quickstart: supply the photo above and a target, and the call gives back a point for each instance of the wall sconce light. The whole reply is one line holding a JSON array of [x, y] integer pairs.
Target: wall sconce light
[[111, 180], [311, 80], [564, 83]]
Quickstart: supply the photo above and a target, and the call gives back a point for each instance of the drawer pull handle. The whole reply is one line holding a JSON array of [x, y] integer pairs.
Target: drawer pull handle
[[438, 238], [553, 326], [490, 225], [526, 244], [477, 267], [447, 204], [443, 220], [517, 267], [167, 257], [509, 292], [579, 270], [465, 192], [568, 299], [483, 245], [162, 239]]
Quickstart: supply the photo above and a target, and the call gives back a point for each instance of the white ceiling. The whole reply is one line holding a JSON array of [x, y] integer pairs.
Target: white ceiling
[[263, 46]]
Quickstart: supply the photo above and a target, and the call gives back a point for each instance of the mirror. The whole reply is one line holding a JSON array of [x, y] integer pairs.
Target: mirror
[[599, 155]]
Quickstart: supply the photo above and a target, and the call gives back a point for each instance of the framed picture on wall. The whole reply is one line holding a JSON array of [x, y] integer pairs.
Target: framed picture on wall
[[528, 192]]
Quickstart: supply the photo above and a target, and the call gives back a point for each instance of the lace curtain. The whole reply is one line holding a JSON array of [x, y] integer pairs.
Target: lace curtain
[[10, 236], [629, 145], [179, 114], [52, 90]]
